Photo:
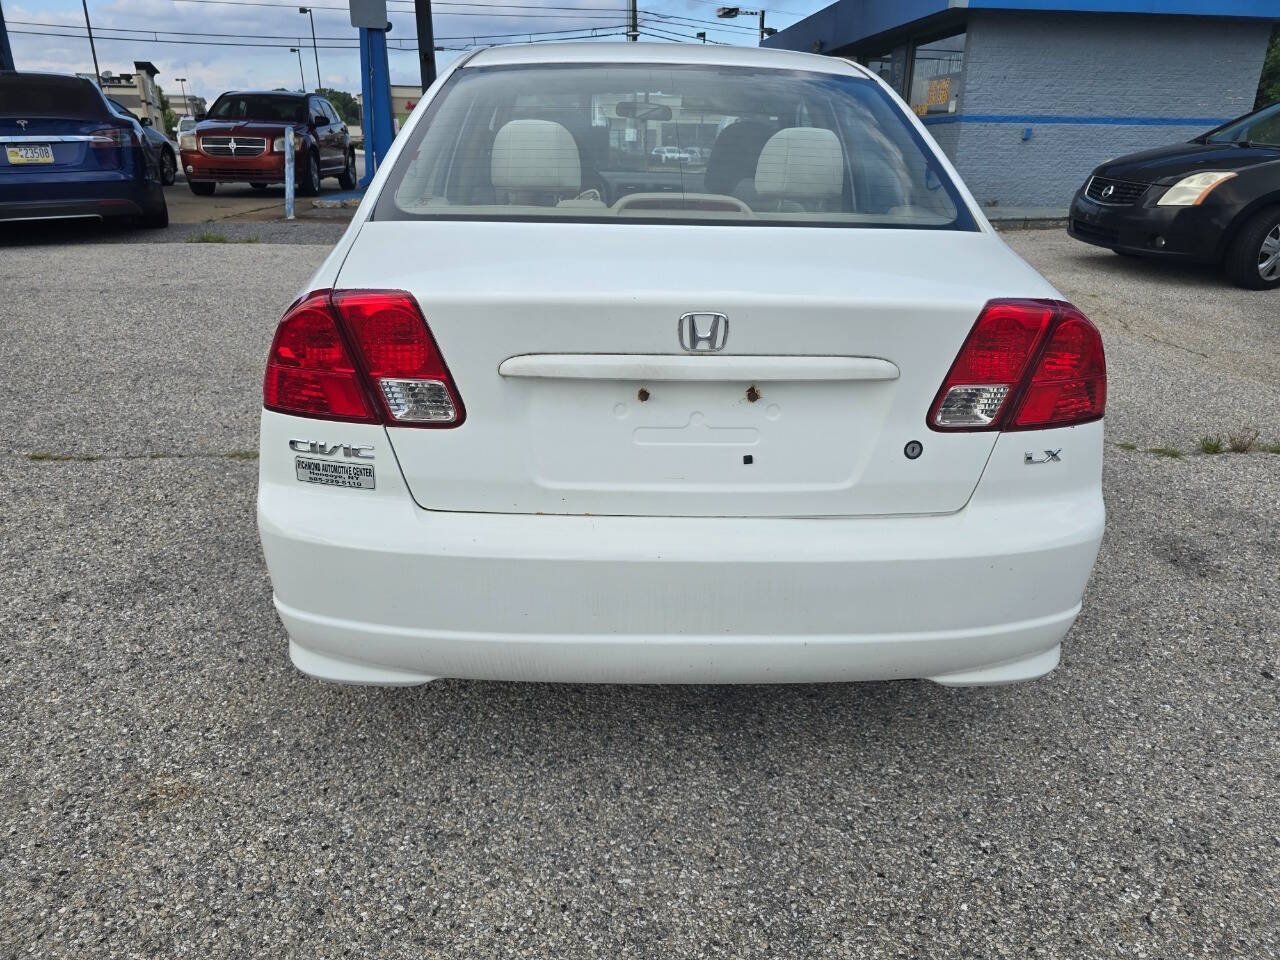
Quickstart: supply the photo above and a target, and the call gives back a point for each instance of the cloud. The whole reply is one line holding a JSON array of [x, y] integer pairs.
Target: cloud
[[211, 68]]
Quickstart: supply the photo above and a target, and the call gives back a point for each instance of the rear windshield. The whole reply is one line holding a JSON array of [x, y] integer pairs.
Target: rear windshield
[[256, 106], [54, 98], [704, 144]]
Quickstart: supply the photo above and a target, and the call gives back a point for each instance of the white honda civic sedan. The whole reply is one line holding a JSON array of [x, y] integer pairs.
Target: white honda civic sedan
[[549, 412]]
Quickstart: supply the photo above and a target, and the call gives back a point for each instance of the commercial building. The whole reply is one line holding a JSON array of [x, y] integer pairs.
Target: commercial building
[[1026, 96], [136, 91]]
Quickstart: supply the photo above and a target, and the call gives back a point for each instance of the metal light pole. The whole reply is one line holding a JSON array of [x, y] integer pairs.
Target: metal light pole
[[314, 48], [301, 76], [728, 13], [186, 102], [92, 49]]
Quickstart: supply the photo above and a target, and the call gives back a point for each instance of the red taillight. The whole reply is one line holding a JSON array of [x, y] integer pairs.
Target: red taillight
[[112, 138], [309, 370], [1069, 384], [396, 374], [1026, 365]]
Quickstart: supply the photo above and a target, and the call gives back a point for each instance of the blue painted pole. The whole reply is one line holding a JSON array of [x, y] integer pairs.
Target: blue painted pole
[[376, 122]]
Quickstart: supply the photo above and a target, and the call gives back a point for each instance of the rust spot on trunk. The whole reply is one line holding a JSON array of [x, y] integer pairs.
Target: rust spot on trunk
[[753, 393], [642, 395]]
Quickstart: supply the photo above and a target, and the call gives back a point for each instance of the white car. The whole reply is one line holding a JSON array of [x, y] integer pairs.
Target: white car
[[670, 155], [539, 418]]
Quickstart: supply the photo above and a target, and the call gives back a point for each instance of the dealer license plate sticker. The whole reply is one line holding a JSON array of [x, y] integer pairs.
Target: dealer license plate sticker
[[355, 476], [30, 153]]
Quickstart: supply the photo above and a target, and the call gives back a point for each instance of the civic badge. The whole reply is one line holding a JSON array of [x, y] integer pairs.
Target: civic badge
[[703, 332]]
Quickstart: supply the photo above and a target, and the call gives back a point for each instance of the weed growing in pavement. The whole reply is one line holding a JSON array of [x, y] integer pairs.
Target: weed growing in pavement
[[1171, 452], [213, 236], [1271, 447], [1214, 444], [1243, 441], [1126, 445], [42, 457]]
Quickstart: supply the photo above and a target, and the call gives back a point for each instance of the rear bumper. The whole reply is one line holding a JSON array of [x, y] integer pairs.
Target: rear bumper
[[265, 168], [69, 209], [61, 195], [373, 589]]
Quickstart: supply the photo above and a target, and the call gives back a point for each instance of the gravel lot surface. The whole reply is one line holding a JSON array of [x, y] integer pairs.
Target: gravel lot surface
[[173, 788]]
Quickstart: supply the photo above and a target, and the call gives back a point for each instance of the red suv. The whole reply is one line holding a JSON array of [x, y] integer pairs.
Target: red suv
[[241, 140]]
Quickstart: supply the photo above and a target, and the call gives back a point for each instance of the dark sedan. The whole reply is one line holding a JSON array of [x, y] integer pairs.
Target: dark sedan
[[1214, 200], [64, 153]]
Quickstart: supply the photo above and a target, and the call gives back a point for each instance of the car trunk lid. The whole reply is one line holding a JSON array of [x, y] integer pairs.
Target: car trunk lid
[[565, 344]]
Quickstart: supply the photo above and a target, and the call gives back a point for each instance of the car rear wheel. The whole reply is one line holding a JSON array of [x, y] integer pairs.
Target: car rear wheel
[[168, 168], [202, 188], [309, 176], [1253, 258], [347, 178]]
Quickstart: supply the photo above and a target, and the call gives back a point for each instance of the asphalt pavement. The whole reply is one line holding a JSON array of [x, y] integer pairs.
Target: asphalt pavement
[[174, 788]]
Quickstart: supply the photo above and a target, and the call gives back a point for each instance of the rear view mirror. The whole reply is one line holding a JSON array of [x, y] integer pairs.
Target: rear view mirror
[[145, 121], [320, 120], [644, 111]]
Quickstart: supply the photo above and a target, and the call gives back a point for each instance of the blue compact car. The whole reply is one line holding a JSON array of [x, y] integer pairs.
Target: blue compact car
[[64, 153]]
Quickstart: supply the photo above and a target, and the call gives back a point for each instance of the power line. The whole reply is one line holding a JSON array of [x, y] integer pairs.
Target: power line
[[535, 36], [717, 24]]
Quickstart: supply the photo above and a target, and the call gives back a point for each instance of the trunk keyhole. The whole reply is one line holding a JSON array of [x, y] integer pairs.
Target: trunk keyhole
[[752, 393], [642, 395]]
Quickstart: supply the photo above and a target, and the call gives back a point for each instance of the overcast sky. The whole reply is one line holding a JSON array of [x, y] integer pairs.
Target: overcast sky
[[210, 69]]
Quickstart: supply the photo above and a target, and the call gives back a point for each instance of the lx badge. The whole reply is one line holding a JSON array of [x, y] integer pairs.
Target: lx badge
[[1050, 456]]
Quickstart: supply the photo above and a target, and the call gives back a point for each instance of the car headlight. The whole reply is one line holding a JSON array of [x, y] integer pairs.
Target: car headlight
[[278, 144], [1191, 191], [187, 141]]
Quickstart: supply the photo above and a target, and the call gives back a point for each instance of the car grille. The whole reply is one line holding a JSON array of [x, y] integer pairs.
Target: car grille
[[1094, 233], [233, 146], [1117, 193]]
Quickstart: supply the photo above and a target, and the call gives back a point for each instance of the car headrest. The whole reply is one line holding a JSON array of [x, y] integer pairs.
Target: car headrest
[[535, 155], [735, 154], [801, 163]]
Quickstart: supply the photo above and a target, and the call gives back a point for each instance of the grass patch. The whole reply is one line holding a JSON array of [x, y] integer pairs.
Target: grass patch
[[1243, 440], [1214, 444], [242, 455], [208, 236], [1126, 445], [1172, 452], [42, 457], [1271, 447]]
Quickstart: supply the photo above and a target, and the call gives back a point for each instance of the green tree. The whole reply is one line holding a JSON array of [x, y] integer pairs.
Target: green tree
[[1269, 84], [170, 115], [343, 102]]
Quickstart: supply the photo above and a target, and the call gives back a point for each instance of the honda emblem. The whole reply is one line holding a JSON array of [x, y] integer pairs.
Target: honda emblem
[[703, 332]]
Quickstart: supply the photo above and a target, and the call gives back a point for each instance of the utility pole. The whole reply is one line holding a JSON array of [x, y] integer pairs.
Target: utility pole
[[314, 48], [634, 33], [92, 49], [6, 54], [426, 42]]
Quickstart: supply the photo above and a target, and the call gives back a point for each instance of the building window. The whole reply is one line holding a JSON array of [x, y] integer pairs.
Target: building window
[[936, 75], [890, 66]]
